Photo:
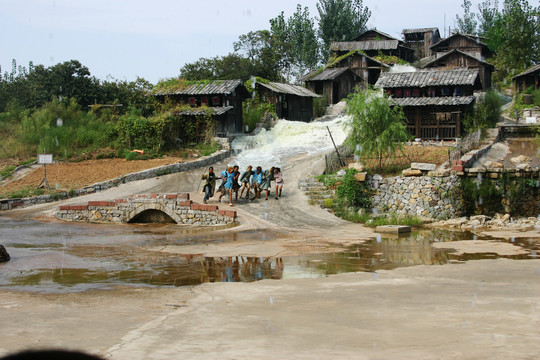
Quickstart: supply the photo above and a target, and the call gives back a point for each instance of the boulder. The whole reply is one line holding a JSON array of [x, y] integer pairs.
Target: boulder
[[4, 256], [410, 172], [361, 176], [423, 166], [357, 166], [341, 172], [520, 159]]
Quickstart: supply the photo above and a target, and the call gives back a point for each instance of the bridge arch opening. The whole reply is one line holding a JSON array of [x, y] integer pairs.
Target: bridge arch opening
[[152, 216]]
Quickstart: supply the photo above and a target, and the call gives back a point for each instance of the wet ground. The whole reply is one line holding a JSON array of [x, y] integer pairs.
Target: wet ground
[[61, 258]]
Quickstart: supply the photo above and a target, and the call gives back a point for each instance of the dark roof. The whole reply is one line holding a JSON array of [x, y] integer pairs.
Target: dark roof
[[326, 74], [224, 87], [457, 51], [528, 71], [355, 52], [219, 110], [288, 89], [420, 30], [433, 101], [365, 45], [389, 37], [470, 37], [425, 78]]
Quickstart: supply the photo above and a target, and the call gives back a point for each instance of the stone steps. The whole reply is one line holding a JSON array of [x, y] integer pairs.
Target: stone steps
[[316, 191]]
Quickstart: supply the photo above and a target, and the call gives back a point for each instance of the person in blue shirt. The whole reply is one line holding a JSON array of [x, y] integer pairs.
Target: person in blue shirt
[[256, 181], [223, 176], [229, 183]]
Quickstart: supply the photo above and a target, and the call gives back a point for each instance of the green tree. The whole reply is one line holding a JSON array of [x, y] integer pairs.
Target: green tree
[[376, 126], [340, 20], [466, 24], [259, 47], [295, 39]]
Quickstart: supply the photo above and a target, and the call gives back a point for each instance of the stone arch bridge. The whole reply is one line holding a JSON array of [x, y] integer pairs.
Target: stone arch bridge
[[148, 208]]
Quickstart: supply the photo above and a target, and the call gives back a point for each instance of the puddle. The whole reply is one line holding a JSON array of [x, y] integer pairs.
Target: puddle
[[78, 257]]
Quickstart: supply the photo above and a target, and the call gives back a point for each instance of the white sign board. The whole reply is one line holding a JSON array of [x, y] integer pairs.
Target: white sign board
[[45, 159], [530, 120]]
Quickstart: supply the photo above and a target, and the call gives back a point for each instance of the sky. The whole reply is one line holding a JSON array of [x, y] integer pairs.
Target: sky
[[126, 39]]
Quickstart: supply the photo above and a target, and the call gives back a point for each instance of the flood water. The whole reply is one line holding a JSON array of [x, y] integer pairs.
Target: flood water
[[56, 257]]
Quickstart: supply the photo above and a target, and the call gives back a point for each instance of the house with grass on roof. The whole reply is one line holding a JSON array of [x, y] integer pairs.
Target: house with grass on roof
[[221, 99], [434, 102]]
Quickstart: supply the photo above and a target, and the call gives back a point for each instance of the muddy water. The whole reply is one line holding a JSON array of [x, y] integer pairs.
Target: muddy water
[[53, 257], [522, 146]]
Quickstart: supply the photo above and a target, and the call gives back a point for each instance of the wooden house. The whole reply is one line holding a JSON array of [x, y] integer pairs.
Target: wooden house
[[366, 68], [458, 59], [420, 40], [333, 83], [291, 102], [223, 98], [528, 78], [434, 101], [469, 44]]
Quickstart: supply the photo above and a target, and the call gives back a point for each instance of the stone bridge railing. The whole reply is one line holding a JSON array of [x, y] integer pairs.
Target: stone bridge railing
[[148, 208]]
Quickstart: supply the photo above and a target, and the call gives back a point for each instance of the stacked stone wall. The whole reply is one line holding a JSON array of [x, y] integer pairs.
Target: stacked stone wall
[[426, 196]]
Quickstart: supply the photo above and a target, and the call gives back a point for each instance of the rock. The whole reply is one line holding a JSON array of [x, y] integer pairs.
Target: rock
[[341, 172], [506, 218], [361, 176], [423, 166], [493, 165], [4, 256], [524, 166], [520, 159], [357, 166], [410, 172]]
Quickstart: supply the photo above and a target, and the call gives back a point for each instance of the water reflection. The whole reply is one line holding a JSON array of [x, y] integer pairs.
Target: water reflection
[[68, 258]]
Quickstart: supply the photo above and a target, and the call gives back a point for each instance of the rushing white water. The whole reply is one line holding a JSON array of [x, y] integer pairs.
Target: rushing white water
[[287, 139]]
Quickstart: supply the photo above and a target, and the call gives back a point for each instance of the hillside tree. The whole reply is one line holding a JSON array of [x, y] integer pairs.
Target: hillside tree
[[466, 24], [340, 20]]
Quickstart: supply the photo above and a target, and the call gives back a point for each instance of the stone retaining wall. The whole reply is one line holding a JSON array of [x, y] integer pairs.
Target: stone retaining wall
[[427, 196], [7, 204], [177, 206]]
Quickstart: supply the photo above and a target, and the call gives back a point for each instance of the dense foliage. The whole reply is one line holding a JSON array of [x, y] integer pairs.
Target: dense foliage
[[375, 126], [513, 34], [487, 112]]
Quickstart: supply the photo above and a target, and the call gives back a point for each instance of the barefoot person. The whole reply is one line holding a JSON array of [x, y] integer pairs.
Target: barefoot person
[[245, 179], [209, 185], [278, 176], [267, 177]]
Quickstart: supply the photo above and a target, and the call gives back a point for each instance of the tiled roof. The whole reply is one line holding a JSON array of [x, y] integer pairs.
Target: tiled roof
[[420, 30], [326, 74], [289, 89], [224, 87], [383, 34], [427, 78], [364, 45], [471, 37], [218, 110], [528, 71], [433, 101], [456, 51]]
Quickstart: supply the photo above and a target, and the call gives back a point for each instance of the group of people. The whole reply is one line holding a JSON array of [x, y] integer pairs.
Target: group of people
[[232, 181]]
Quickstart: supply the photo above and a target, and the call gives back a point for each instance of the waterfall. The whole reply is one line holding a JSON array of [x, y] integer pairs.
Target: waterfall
[[287, 139]]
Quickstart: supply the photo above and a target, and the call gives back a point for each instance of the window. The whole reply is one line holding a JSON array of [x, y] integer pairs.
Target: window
[[445, 91], [215, 101]]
